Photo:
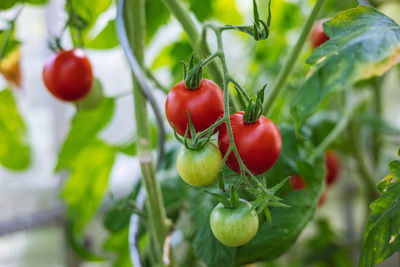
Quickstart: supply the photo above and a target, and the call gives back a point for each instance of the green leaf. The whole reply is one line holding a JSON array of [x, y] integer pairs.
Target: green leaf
[[379, 124], [118, 216], [87, 12], [363, 43], [118, 243], [7, 4], [85, 127], [15, 152], [206, 247], [381, 236], [35, 2], [273, 240], [222, 10], [106, 39], [156, 15], [79, 247], [90, 10], [84, 189]]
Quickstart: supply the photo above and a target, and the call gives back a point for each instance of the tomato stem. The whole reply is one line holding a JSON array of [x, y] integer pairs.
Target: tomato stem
[[131, 15], [291, 60]]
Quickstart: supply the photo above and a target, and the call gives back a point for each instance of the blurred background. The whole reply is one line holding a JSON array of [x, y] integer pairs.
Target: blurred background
[[32, 232]]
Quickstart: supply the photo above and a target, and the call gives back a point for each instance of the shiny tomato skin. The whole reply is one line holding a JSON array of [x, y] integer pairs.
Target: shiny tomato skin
[[205, 105], [68, 75], [332, 164], [317, 35], [199, 167], [234, 227], [259, 144]]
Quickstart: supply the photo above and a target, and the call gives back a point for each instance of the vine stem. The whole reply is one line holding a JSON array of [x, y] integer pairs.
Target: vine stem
[[131, 16], [227, 79], [291, 60]]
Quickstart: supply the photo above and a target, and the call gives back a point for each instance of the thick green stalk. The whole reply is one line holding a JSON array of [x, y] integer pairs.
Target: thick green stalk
[[135, 25], [291, 60], [182, 15]]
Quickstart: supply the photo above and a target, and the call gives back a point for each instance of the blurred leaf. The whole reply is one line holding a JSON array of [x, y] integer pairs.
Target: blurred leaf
[[363, 43], [85, 127], [88, 12], [106, 39], [8, 42], [223, 10], [79, 248], [6, 4], [286, 163], [324, 248], [35, 2], [206, 247], [84, 189], [381, 236], [14, 148], [201, 8], [118, 216], [379, 124], [118, 243], [171, 56], [156, 15]]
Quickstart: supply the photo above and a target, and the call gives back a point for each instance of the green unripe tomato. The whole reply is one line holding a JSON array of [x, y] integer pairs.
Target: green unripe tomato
[[94, 98], [234, 227], [199, 167]]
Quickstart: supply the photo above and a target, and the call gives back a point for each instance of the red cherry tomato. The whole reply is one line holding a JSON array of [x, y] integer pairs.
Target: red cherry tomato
[[297, 182], [259, 143], [332, 164], [68, 75], [317, 35], [205, 105]]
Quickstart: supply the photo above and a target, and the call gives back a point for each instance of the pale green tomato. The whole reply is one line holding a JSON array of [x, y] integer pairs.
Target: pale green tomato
[[199, 167], [234, 227]]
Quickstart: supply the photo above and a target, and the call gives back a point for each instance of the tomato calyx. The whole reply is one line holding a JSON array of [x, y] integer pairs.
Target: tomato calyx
[[253, 108], [260, 29], [200, 139], [193, 77]]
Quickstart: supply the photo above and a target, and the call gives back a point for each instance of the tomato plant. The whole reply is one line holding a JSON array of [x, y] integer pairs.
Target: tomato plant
[[266, 126], [68, 75], [205, 105], [259, 144], [234, 227]]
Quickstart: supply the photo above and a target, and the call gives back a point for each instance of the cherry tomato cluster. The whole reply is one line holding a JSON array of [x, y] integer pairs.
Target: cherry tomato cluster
[[259, 145], [332, 165]]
